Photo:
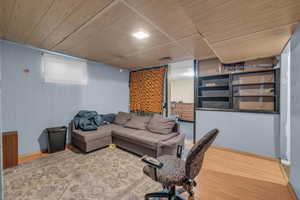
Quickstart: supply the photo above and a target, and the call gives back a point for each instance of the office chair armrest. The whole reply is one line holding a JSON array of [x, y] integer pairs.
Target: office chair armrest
[[170, 146], [152, 162]]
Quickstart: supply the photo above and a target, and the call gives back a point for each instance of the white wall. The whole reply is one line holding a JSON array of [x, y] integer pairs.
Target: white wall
[[285, 104], [182, 90], [248, 132], [295, 111], [31, 105]]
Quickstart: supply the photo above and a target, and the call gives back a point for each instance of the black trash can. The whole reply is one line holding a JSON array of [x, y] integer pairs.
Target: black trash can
[[56, 139]]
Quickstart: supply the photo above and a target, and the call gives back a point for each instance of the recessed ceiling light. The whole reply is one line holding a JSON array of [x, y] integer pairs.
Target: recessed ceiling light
[[140, 35]]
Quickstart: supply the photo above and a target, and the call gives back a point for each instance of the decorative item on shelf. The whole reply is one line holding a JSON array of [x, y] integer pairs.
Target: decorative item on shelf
[[26, 70], [234, 67]]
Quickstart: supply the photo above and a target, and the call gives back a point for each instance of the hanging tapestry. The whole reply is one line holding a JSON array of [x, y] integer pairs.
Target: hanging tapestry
[[147, 90]]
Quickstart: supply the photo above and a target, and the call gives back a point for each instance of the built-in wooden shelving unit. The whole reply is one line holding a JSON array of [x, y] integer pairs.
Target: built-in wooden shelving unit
[[250, 91]]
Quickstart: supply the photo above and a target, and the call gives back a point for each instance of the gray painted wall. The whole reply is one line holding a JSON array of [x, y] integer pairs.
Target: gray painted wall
[[31, 105], [295, 111], [285, 104], [248, 132]]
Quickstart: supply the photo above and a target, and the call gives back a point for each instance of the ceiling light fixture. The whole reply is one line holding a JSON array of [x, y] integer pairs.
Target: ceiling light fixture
[[140, 35]]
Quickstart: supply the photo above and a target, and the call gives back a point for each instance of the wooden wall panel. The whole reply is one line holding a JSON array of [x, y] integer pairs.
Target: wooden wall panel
[[109, 35], [167, 15], [101, 30], [6, 9], [152, 57], [259, 45], [86, 11], [26, 15], [198, 47], [223, 20], [53, 17]]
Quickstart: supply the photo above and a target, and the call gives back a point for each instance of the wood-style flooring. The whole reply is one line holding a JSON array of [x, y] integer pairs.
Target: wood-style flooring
[[229, 175]]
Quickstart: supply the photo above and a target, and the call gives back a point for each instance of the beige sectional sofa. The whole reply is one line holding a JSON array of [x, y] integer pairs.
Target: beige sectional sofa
[[137, 141]]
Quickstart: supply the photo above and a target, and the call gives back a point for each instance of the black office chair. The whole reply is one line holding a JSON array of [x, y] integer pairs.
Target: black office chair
[[176, 172]]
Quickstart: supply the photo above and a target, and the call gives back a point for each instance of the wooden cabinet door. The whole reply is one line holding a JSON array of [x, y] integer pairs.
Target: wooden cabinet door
[[10, 149]]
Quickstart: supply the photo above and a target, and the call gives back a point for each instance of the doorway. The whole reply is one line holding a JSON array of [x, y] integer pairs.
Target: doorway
[[181, 97]]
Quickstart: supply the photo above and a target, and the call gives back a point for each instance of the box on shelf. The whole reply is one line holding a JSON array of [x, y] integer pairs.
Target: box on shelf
[[254, 90], [254, 103], [253, 78]]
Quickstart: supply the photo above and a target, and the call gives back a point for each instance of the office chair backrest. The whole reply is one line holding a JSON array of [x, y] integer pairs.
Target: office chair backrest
[[196, 154]]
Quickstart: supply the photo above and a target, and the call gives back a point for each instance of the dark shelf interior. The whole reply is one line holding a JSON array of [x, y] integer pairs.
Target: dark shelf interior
[[254, 96], [214, 86], [213, 96]]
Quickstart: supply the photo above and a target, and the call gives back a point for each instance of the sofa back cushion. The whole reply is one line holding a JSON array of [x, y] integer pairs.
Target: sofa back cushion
[[138, 122], [108, 118], [161, 125], [122, 118]]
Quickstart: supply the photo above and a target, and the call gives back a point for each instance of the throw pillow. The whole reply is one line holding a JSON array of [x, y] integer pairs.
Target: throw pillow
[[161, 125], [86, 125], [138, 122], [122, 118], [76, 122], [98, 120]]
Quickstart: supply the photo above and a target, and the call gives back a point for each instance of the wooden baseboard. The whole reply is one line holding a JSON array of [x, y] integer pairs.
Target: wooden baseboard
[[31, 156], [245, 153], [35, 155]]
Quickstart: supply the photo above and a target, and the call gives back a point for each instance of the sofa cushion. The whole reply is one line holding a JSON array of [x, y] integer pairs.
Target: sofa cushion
[[138, 122], [160, 124], [122, 118], [108, 117], [102, 131], [141, 137]]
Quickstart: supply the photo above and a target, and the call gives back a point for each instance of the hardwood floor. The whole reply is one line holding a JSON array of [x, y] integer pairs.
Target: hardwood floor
[[230, 176]]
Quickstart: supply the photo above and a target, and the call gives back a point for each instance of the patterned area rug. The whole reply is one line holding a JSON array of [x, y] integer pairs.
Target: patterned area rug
[[102, 175]]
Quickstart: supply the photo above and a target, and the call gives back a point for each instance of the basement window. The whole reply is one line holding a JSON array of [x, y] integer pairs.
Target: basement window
[[64, 70]]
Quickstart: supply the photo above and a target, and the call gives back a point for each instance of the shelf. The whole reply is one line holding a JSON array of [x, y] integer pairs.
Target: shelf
[[236, 73], [216, 109], [228, 93], [254, 96], [214, 96], [215, 86], [214, 76], [249, 84], [257, 111], [232, 110], [257, 71]]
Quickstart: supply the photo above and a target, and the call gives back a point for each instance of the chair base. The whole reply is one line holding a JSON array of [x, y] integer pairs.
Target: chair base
[[170, 194]]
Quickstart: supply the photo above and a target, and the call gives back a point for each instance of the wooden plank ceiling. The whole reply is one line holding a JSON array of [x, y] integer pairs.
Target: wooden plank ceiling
[[101, 30]]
